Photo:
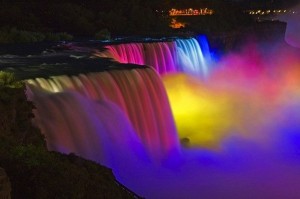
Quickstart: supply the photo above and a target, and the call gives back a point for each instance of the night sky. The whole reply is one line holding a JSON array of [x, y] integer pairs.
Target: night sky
[[246, 4], [269, 2]]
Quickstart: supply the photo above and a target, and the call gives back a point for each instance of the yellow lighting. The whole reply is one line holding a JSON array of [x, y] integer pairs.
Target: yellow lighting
[[204, 115]]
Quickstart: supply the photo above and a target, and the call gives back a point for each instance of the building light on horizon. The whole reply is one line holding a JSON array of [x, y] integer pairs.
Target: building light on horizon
[[269, 12], [190, 12]]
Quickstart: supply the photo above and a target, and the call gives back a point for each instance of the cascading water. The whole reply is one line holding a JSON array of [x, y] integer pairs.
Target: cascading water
[[181, 55], [95, 130], [239, 128], [190, 57], [127, 53], [138, 93]]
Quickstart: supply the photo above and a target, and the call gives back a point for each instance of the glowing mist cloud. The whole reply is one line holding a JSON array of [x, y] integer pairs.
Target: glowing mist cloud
[[202, 116], [206, 114], [240, 97]]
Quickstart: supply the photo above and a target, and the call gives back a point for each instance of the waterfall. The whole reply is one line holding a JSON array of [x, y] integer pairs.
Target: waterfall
[[86, 113], [190, 57], [181, 55], [238, 127]]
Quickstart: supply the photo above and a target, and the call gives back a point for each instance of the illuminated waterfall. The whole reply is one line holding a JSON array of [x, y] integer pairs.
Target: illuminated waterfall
[[127, 53], [239, 128], [136, 95], [190, 57], [181, 55], [205, 49]]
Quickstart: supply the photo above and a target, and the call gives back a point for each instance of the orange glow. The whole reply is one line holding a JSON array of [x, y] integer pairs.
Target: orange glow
[[176, 24]]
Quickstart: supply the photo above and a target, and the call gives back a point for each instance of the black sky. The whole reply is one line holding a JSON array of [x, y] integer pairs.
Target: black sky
[[269, 2], [244, 3]]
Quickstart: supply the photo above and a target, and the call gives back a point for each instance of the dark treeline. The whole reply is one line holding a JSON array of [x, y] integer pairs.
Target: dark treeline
[[100, 18], [83, 18]]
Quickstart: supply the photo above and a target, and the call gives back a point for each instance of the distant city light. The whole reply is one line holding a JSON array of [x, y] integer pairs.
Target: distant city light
[[190, 12], [269, 12]]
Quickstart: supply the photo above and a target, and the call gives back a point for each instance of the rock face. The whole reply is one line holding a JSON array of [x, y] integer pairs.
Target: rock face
[[5, 187]]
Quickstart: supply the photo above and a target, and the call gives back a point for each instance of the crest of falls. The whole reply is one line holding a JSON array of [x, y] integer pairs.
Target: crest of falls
[[182, 55], [97, 115]]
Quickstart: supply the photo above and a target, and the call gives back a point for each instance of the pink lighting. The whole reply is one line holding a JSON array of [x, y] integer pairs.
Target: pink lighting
[[229, 129], [139, 94], [165, 57]]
